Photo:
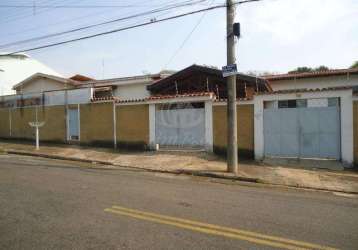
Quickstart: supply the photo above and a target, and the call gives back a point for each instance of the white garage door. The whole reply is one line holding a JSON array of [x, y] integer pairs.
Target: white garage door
[[180, 125], [302, 129]]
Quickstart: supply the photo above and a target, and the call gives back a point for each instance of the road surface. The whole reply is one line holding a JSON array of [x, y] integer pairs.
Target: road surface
[[50, 204]]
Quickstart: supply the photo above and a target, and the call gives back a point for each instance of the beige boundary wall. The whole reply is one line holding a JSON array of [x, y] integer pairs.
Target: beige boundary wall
[[96, 124], [96, 127], [133, 126], [245, 129], [14, 123]]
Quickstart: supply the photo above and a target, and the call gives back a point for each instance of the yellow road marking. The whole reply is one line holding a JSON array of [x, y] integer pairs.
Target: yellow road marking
[[204, 230], [257, 238]]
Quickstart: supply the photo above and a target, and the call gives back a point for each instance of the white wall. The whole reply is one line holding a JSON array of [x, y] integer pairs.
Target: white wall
[[16, 68], [131, 91], [39, 85], [346, 119], [313, 83]]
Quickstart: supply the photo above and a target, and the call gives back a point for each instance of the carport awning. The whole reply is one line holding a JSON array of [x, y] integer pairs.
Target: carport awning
[[205, 79]]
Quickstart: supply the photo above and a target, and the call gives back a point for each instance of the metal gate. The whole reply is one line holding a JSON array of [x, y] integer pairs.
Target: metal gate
[[311, 132], [180, 127]]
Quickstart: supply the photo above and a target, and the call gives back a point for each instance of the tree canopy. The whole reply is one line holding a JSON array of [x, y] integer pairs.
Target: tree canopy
[[305, 69], [354, 65]]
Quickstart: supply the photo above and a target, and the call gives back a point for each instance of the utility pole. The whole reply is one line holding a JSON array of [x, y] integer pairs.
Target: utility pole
[[231, 92]]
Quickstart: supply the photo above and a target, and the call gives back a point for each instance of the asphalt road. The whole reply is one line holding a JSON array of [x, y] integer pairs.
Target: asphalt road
[[47, 204]]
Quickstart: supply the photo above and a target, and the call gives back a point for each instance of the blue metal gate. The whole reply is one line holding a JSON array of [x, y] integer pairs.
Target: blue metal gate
[[180, 127], [312, 132]]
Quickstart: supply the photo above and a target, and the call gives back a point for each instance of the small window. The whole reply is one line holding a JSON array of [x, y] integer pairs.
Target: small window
[[270, 105], [301, 103], [333, 102], [102, 92], [287, 104], [292, 103], [282, 104]]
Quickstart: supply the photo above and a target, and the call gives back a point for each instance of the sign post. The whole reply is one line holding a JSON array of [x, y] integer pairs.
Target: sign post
[[229, 70], [37, 125]]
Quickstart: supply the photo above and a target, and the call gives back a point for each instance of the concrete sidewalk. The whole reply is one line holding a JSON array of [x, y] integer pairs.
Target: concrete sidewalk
[[195, 163]]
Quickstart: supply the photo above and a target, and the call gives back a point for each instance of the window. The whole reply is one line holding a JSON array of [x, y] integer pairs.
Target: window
[[102, 92], [301, 103], [270, 105], [287, 104], [333, 102]]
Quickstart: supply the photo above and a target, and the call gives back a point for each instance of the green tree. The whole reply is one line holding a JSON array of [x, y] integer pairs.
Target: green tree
[[301, 70], [321, 68], [354, 65]]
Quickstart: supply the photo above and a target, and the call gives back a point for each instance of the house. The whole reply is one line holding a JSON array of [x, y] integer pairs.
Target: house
[[314, 80], [125, 88], [134, 87], [188, 109], [15, 68], [40, 82]]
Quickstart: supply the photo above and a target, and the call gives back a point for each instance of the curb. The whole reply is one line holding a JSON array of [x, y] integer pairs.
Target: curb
[[177, 172], [186, 172]]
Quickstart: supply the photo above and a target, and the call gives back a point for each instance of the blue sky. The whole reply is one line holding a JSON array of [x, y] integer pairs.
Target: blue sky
[[277, 36]]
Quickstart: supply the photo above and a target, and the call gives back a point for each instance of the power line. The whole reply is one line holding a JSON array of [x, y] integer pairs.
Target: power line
[[186, 39], [11, 18], [165, 8], [131, 27], [37, 27], [73, 6]]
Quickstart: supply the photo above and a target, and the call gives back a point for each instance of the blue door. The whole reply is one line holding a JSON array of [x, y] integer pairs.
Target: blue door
[[73, 126]]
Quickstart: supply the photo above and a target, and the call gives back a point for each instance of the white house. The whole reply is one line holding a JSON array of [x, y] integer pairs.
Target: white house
[[16, 68], [125, 88], [314, 80]]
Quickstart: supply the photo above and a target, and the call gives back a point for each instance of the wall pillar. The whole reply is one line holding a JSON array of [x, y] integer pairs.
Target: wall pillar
[[209, 126], [152, 126], [347, 129], [258, 128]]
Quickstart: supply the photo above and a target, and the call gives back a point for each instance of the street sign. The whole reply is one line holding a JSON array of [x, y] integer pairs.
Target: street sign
[[229, 70]]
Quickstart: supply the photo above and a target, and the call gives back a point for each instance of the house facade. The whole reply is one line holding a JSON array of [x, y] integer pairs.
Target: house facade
[[188, 109]]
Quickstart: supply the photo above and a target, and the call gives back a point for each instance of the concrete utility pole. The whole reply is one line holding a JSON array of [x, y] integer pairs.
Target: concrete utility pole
[[231, 92]]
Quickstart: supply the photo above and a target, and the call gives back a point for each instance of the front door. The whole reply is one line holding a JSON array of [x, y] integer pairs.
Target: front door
[[73, 124]]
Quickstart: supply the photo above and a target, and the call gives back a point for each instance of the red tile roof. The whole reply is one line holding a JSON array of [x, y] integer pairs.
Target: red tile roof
[[153, 98], [333, 72], [81, 78], [294, 91], [101, 99], [195, 94]]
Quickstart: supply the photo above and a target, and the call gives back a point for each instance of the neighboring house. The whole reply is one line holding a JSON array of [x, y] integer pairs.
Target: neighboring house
[[40, 82], [134, 87], [125, 88], [314, 80], [16, 68]]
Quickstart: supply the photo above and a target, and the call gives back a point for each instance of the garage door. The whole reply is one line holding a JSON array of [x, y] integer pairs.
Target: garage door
[[303, 129], [180, 125]]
